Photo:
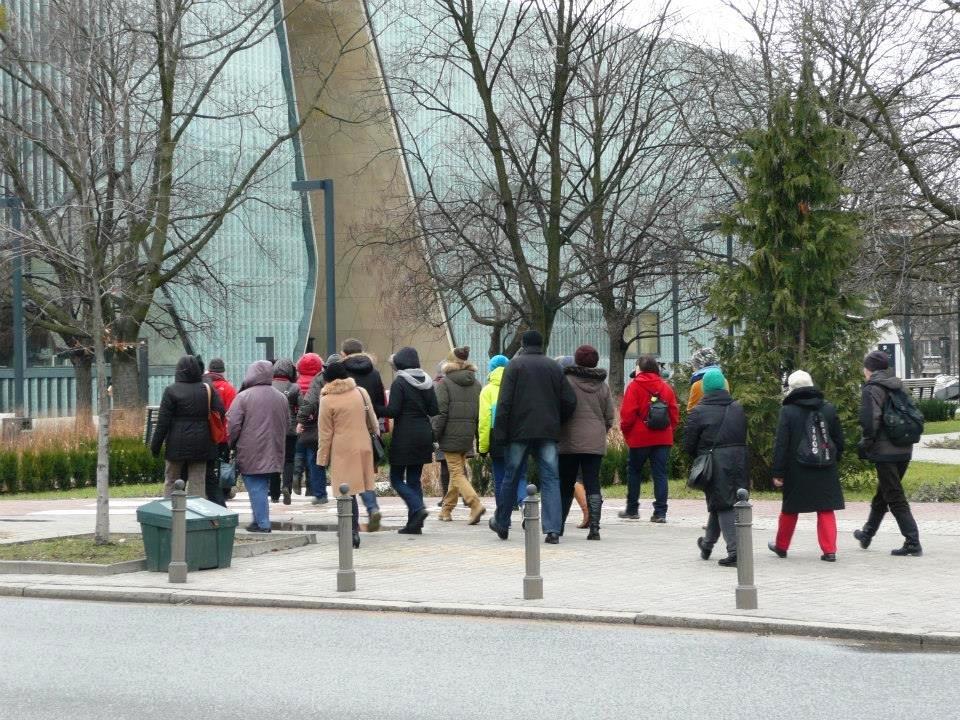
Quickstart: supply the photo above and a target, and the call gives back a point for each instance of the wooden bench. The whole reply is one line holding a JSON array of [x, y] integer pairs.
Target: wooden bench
[[918, 385]]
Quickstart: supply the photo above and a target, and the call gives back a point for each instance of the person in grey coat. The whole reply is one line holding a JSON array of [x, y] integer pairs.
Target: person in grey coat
[[718, 425], [583, 437], [258, 421]]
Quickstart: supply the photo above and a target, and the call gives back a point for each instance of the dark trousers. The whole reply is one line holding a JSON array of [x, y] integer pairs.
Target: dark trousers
[[444, 478], [890, 496], [571, 466], [659, 456], [405, 480], [212, 483], [289, 454]]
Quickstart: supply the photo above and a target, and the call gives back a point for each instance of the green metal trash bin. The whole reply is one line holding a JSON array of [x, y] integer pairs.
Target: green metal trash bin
[[210, 532]]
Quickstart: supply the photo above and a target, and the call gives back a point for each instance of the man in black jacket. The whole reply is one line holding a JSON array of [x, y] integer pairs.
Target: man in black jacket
[[360, 367], [890, 460], [535, 400], [183, 426]]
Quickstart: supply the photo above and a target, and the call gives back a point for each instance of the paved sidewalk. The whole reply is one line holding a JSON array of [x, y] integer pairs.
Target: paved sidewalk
[[639, 568]]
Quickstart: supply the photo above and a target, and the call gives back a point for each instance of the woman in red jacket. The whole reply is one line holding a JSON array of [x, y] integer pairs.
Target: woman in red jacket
[[648, 416]]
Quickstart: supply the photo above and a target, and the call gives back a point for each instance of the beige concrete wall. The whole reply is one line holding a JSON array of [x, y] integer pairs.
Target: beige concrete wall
[[352, 139]]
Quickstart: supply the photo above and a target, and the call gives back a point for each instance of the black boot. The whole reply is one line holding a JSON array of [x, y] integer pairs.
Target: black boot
[[356, 540], [863, 537], [909, 549], [594, 505]]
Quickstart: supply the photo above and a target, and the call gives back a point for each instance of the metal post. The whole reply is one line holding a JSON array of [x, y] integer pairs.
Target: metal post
[[177, 570], [346, 575], [746, 591], [19, 329], [532, 581], [330, 261]]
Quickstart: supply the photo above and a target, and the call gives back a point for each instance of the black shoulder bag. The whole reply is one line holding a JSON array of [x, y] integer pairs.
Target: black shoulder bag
[[701, 470]]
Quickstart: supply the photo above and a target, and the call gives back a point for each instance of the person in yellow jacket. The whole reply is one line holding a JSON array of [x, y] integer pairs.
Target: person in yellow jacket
[[488, 412]]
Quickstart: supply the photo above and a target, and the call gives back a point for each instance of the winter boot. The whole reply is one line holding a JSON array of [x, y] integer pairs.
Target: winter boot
[[594, 504], [477, 509], [581, 497]]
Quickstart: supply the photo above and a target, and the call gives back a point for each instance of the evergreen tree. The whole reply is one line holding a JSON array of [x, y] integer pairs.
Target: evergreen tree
[[790, 296]]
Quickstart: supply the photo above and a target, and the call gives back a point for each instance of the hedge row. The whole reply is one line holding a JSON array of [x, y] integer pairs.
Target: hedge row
[[66, 468]]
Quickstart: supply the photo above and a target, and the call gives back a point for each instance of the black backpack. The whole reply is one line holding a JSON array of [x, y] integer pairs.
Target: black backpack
[[815, 449], [902, 420], [658, 414]]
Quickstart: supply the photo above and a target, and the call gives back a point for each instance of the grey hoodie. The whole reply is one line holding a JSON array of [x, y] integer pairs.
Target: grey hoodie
[[416, 377], [258, 421]]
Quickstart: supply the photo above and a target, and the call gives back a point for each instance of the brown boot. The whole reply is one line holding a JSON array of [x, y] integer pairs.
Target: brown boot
[[477, 509], [445, 515], [581, 496]]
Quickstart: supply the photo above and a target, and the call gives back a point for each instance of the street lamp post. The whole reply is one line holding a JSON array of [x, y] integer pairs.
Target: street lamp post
[[330, 257], [19, 331]]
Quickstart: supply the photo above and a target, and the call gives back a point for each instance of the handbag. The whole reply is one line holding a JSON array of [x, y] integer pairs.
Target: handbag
[[701, 469], [216, 421], [228, 475], [379, 452]]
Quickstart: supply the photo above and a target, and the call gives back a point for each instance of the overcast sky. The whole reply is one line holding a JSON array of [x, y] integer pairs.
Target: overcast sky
[[711, 21]]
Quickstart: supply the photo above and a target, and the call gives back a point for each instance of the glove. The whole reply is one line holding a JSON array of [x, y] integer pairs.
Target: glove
[[863, 447]]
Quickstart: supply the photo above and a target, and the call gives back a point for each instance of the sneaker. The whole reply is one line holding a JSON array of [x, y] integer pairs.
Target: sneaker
[[373, 521], [552, 539], [863, 538], [728, 561], [829, 557], [659, 519], [704, 549], [628, 515], [502, 533], [776, 551], [254, 528], [908, 550]]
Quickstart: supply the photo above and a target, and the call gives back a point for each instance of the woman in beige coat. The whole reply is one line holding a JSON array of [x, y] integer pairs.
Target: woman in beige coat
[[345, 422]]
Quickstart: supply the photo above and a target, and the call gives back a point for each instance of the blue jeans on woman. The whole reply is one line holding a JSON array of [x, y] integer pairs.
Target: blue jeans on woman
[[258, 487], [405, 480], [500, 471], [659, 456], [316, 475]]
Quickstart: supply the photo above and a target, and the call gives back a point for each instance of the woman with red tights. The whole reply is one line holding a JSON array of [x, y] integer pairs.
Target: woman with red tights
[[807, 449]]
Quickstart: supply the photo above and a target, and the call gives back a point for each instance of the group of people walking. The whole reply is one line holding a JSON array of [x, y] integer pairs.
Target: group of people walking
[[304, 424]]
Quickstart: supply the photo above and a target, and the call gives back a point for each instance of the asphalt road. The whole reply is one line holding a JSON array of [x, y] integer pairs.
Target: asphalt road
[[74, 660]]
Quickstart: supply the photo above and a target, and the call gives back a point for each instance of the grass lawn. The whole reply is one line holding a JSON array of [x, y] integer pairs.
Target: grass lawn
[[943, 426], [78, 549], [146, 490]]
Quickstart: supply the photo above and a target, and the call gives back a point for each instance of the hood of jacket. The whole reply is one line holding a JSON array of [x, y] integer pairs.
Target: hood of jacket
[[406, 358], [807, 397], [416, 377], [359, 364], [460, 372], [720, 397], [885, 378], [188, 370], [284, 368], [698, 375], [587, 379], [651, 382], [214, 377], [310, 365], [495, 376], [259, 373], [338, 387]]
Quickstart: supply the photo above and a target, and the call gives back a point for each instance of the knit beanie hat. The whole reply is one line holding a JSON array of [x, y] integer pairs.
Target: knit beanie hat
[[335, 371], [876, 360], [565, 361], [217, 366], [713, 381], [497, 361], [531, 338], [704, 357], [799, 379], [334, 358], [586, 356], [351, 346], [459, 354]]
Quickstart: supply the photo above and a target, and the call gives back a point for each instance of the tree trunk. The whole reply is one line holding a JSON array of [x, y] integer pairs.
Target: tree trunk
[[101, 533], [83, 379], [618, 351], [125, 380]]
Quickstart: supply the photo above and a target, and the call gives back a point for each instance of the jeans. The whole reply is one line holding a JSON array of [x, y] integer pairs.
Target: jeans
[[826, 530], [572, 465], [515, 455], [258, 487], [500, 471], [405, 480], [890, 496], [369, 498], [659, 455], [316, 475]]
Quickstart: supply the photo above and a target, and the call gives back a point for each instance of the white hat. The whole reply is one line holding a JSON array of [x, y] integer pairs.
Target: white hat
[[799, 379]]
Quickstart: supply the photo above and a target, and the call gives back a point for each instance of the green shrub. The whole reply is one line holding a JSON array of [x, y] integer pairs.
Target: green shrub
[[481, 474], [858, 481], [9, 477], [936, 410], [83, 465], [30, 472], [932, 492], [58, 465]]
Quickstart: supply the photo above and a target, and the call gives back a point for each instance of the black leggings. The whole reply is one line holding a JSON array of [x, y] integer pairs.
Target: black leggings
[[572, 465]]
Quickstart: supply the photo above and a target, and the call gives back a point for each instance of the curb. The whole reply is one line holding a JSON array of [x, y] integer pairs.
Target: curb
[[918, 639]]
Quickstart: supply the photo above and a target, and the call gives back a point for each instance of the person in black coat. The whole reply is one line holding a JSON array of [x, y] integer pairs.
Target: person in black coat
[[285, 380], [412, 403], [718, 423], [183, 426], [808, 446], [535, 400]]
